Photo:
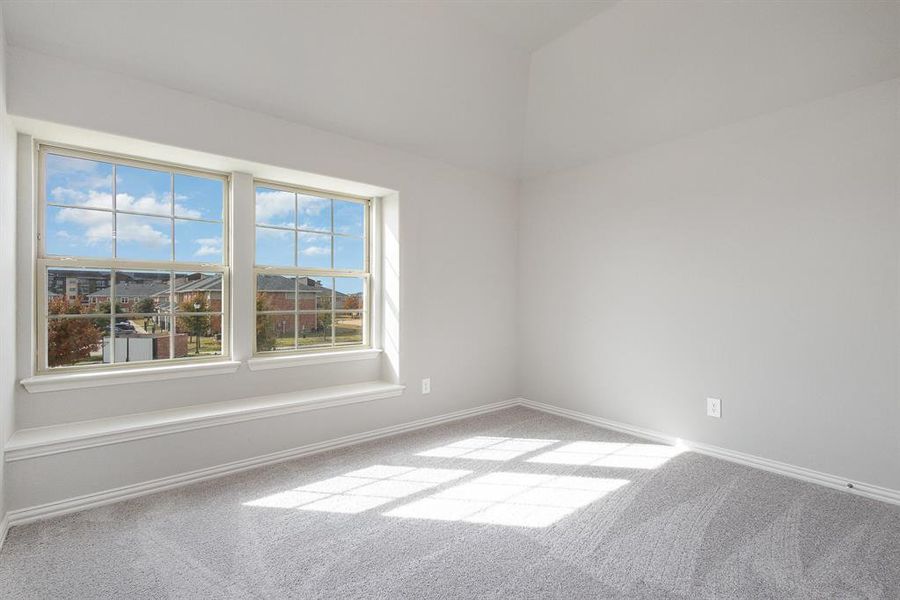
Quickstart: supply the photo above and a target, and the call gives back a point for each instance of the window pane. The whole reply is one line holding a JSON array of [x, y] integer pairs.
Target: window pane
[[349, 217], [274, 247], [275, 292], [314, 329], [349, 253], [143, 238], [75, 291], [76, 232], [143, 190], [198, 335], [104, 210], [275, 207], [142, 338], [275, 332], [78, 182], [149, 325], [349, 292], [314, 293], [77, 340], [198, 197], [140, 291], [314, 250], [198, 292], [198, 241], [348, 328], [313, 213]]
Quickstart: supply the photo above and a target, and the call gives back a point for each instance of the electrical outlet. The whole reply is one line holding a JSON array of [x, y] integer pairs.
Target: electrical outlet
[[426, 385], [714, 408]]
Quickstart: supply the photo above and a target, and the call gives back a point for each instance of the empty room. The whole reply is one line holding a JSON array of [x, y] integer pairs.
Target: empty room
[[439, 299]]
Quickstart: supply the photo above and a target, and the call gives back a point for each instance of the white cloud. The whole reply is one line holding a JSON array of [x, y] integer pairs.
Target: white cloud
[[130, 228], [91, 199], [310, 205], [316, 250], [147, 204], [80, 172], [272, 204], [209, 246], [70, 164], [96, 227], [280, 234]]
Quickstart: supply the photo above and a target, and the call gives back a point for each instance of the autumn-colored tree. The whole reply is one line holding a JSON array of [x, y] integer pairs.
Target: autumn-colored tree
[[353, 302], [70, 340], [196, 325], [265, 326]]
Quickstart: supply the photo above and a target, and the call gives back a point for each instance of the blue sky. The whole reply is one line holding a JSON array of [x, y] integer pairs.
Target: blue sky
[[348, 285], [305, 238], [307, 222], [76, 184]]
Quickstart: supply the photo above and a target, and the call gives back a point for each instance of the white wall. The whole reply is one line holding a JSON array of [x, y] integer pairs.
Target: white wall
[[457, 285], [7, 269], [757, 263]]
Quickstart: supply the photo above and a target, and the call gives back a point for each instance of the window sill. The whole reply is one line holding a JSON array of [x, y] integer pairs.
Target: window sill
[[72, 381], [56, 439], [263, 363]]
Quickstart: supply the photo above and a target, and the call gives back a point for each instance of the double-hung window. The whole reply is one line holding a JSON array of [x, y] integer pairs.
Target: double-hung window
[[312, 270], [132, 261]]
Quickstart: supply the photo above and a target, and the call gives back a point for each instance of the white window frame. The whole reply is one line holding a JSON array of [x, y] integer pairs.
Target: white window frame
[[365, 274], [44, 263]]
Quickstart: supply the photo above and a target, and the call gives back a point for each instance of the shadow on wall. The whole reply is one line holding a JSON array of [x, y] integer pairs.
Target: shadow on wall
[[511, 498]]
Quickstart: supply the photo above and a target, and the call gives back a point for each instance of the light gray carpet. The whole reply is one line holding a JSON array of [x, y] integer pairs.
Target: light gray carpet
[[443, 515]]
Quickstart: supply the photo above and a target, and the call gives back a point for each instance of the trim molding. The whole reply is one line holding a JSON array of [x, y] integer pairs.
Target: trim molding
[[4, 528], [79, 503], [87, 379], [264, 363], [55, 439], [868, 490]]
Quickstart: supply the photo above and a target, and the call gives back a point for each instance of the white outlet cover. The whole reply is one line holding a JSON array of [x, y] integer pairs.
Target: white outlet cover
[[714, 408], [426, 385]]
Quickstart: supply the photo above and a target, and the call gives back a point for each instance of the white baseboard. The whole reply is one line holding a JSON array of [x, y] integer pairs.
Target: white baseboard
[[52, 509], [832, 481], [4, 529], [79, 503]]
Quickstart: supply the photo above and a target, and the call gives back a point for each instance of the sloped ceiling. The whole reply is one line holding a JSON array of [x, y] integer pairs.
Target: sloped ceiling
[[645, 72], [507, 87]]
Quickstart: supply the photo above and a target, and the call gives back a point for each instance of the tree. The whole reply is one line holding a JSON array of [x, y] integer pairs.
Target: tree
[[323, 325], [104, 309], [353, 302], [70, 340], [197, 325], [145, 305], [265, 326]]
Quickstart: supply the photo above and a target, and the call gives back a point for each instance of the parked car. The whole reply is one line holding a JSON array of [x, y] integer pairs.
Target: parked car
[[125, 327]]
